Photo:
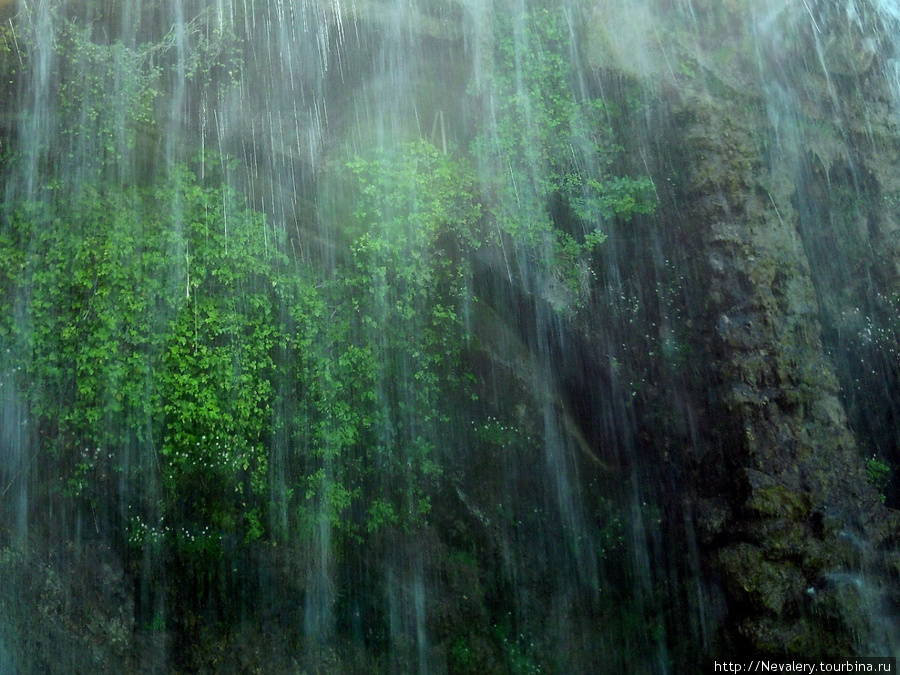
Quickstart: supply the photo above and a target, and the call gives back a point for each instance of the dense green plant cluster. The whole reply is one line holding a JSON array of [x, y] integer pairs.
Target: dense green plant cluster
[[170, 352], [147, 331], [162, 327], [389, 338], [878, 473], [551, 150]]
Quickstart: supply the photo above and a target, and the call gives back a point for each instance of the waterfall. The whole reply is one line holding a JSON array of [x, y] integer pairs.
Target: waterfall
[[447, 336]]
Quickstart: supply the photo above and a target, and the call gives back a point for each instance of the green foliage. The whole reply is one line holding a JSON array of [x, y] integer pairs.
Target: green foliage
[[213, 390], [152, 328], [161, 328], [551, 149], [409, 197], [460, 656], [389, 353], [168, 318], [106, 93], [100, 103], [10, 57], [878, 473], [88, 317], [519, 651], [12, 263]]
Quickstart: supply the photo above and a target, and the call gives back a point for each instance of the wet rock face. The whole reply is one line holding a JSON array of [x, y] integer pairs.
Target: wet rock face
[[65, 612], [787, 518]]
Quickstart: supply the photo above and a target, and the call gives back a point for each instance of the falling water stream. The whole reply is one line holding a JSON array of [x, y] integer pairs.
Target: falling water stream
[[437, 336]]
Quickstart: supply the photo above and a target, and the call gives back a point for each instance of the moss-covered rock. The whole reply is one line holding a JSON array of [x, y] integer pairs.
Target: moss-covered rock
[[759, 583]]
